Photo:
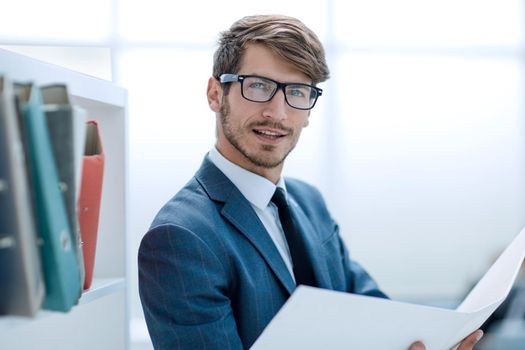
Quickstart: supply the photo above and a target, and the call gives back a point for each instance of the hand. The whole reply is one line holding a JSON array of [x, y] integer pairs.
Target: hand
[[466, 344]]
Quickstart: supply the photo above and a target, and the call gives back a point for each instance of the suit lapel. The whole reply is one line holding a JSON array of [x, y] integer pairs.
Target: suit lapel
[[238, 211]]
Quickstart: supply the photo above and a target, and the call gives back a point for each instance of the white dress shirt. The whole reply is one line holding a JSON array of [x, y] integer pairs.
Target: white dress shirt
[[258, 191]]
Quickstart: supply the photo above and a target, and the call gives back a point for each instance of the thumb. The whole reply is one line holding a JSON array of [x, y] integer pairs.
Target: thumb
[[417, 346]]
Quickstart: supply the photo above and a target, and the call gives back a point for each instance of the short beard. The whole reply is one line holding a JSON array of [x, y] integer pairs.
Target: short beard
[[231, 136]]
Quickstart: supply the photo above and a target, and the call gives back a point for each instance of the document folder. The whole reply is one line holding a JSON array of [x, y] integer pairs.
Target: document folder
[[21, 281], [59, 261], [67, 128], [91, 196], [315, 318]]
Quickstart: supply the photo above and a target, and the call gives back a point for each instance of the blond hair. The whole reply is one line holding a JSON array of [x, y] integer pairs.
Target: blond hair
[[286, 36]]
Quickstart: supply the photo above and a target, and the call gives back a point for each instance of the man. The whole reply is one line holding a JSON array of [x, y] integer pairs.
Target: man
[[223, 255]]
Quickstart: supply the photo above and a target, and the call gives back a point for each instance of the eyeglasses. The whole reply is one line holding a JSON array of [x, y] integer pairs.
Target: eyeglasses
[[260, 89]]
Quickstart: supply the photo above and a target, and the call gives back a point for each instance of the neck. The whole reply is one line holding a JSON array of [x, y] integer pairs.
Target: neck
[[272, 174]]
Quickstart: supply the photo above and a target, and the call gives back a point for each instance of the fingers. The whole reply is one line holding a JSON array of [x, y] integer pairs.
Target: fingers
[[417, 346], [469, 342]]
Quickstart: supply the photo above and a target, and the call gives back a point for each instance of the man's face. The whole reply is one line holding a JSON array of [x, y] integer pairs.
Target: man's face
[[259, 136]]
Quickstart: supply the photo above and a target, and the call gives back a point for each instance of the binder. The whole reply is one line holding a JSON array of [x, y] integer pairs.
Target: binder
[[67, 128], [59, 261], [21, 281], [91, 196]]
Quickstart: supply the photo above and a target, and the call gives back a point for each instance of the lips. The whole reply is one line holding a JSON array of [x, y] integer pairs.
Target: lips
[[270, 134]]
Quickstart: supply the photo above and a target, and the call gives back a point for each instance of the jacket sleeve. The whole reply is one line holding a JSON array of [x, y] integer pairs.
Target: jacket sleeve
[[347, 275], [183, 288], [359, 281]]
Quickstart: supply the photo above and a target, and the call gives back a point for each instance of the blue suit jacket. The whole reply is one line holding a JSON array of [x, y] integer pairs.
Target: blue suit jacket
[[210, 276]]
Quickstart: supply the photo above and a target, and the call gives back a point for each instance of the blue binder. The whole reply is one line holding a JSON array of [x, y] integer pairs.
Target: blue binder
[[21, 281], [61, 272], [66, 125]]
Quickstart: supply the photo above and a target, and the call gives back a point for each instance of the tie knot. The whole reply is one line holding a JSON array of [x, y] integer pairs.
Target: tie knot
[[279, 198]]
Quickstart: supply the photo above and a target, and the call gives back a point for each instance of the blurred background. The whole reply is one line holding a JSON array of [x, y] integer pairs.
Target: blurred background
[[418, 142]]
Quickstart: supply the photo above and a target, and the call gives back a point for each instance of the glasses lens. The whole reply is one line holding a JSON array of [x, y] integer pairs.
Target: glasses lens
[[301, 96], [258, 89]]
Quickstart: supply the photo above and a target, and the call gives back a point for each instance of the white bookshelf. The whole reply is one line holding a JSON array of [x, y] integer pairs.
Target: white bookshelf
[[100, 320]]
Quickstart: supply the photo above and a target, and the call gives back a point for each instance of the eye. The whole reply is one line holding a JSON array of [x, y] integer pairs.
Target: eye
[[297, 91], [259, 85]]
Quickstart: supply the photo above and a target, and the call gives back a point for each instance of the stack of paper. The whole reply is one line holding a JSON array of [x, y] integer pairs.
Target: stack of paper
[[314, 318]]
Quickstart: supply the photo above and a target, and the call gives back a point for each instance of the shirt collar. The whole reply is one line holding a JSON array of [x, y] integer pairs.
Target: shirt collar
[[256, 189]]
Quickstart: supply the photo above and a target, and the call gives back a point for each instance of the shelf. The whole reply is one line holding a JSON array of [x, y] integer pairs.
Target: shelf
[[99, 321], [81, 86], [100, 287]]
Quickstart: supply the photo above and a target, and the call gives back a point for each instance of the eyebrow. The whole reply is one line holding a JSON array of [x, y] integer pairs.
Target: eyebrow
[[280, 81]]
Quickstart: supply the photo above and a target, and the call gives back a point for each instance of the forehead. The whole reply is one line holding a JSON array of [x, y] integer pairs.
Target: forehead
[[260, 60]]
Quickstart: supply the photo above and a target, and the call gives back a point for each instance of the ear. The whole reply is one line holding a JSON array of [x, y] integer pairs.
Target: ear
[[214, 94]]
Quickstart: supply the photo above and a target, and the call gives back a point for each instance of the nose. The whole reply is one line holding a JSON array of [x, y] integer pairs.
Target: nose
[[276, 108]]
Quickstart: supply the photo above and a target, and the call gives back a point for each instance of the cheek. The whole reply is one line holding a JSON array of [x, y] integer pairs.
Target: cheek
[[245, 113], [303, 120], [306, 122]]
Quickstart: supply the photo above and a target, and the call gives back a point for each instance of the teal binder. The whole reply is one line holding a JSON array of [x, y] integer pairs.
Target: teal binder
[[66, 124], [59, 261], [21, 280]]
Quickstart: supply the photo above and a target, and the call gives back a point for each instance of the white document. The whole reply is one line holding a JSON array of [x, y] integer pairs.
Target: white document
[[316, 318]]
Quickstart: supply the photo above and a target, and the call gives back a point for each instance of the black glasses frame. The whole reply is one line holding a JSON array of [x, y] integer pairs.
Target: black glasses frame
[[231, 78]]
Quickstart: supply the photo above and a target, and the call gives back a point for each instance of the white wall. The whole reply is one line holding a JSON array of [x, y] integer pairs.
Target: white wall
[[431, 165]]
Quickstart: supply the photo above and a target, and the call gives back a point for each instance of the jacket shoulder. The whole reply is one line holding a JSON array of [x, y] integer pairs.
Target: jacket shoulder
[[189, 206], [304, 193]]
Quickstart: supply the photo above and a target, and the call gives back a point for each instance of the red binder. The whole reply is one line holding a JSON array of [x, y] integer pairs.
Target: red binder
[[90, 197]]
